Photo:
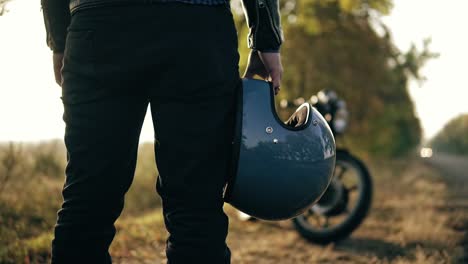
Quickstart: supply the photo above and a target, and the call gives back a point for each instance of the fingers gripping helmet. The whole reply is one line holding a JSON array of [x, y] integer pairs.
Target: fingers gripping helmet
[[280, 169]]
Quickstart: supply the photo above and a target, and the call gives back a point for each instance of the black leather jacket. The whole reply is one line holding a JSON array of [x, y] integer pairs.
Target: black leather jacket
[[263, 18]]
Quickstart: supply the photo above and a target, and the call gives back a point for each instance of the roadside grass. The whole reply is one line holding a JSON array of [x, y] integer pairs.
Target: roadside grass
[[405, 225], [31, 180]]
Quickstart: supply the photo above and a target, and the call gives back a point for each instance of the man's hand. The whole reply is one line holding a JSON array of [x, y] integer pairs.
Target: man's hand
[[57, 59], [267, 65]]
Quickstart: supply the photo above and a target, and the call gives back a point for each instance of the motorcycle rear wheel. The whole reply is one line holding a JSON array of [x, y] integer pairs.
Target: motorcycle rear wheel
[[338, 219]]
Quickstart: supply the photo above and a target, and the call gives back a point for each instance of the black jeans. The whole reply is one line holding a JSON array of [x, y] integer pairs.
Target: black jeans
[[183, 61]]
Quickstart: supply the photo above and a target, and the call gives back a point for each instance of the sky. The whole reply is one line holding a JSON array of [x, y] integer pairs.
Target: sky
[[31, 109], [445, 93]]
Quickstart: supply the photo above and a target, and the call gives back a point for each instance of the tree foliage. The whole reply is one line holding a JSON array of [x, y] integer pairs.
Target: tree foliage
[[453, 138], [2, 6], [344, 46]]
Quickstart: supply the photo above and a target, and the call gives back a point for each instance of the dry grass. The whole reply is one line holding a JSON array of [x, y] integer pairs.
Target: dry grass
[[409, 222]]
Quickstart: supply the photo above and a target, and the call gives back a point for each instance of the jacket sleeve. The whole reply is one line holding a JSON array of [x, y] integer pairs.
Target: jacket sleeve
[[57, 19], [263, 19]]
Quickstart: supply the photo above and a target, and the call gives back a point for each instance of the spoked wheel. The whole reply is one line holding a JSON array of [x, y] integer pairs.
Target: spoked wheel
[[343, 206]]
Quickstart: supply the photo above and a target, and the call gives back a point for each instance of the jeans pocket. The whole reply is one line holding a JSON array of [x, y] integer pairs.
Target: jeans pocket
[[78, 65], [79, 46]]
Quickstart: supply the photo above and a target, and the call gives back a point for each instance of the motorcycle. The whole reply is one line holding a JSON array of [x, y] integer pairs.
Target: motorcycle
[[346, 202]]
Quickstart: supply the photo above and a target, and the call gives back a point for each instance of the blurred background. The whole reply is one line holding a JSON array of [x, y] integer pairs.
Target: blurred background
[[399, 66]]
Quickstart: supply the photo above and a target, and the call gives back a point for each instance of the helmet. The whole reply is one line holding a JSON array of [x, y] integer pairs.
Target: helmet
[[280, 169]]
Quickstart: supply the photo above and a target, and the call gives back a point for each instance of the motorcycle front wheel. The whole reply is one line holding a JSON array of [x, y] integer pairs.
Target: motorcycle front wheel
[[343, 206]]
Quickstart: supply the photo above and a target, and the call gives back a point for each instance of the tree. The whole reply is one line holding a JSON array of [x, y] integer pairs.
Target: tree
[[2, 6], [453, 138]]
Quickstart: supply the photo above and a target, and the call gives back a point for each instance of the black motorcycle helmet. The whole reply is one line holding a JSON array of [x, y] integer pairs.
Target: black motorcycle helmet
[[280, 169]]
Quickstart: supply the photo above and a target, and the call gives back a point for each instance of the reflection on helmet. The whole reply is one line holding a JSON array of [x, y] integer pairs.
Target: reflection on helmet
[[280, 169]]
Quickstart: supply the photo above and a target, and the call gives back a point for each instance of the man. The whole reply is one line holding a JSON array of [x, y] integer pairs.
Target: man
[[113, 58]]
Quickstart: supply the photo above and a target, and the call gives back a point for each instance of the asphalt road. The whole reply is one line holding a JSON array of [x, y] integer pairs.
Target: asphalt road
[[454, 170]]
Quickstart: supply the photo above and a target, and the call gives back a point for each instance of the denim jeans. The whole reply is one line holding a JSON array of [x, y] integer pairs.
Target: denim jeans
[[181, 60]]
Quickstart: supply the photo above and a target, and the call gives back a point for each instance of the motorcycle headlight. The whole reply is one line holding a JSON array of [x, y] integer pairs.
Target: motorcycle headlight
[[340, 121], [322, 97]]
